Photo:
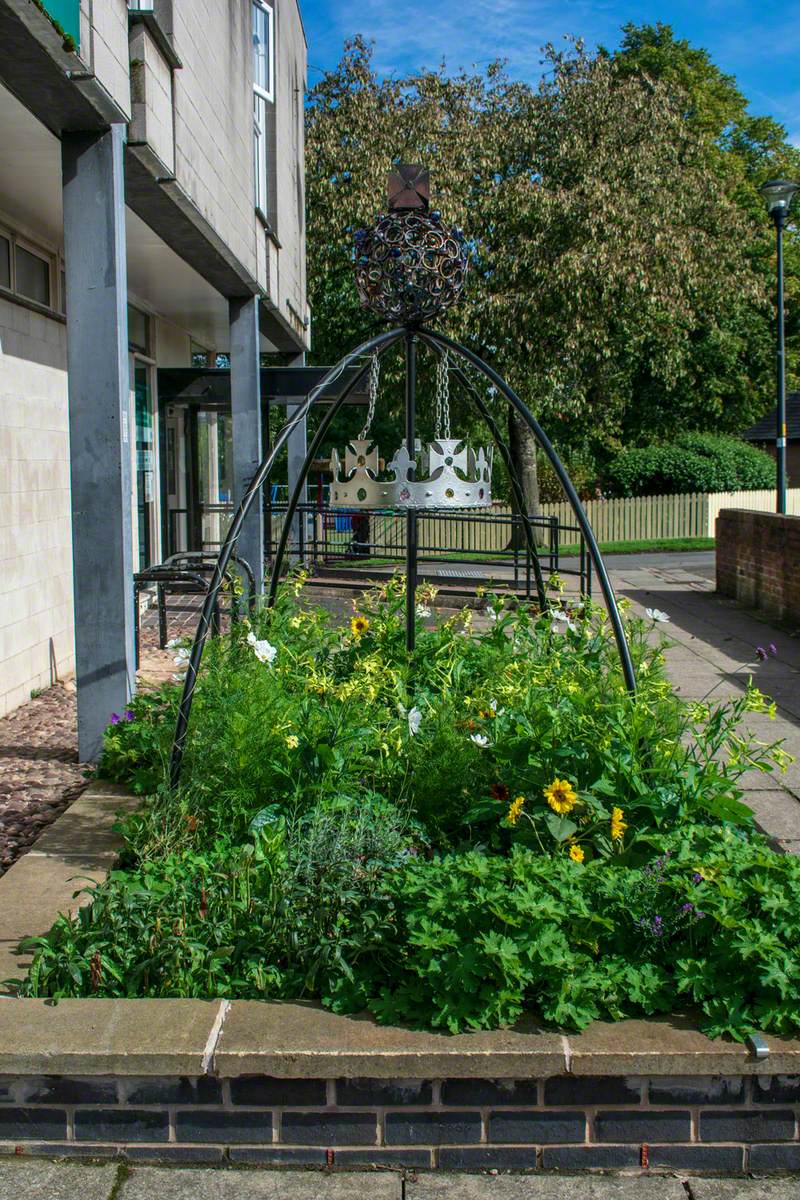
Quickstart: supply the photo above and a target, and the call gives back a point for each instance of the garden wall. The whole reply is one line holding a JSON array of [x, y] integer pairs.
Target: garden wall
[[275, 1084], [758, 561]]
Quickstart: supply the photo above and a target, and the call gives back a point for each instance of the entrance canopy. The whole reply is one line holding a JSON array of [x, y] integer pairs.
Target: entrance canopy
[[211, 386]]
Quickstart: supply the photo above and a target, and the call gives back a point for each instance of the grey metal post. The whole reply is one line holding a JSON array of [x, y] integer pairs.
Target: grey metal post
[[99, 428], [780, 374], [246, 418], [297, 448]]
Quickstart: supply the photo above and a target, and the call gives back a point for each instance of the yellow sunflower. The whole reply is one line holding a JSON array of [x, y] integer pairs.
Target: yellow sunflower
[[515, 809], [359, 625], [618, 825], [561, 796], [576, 854]]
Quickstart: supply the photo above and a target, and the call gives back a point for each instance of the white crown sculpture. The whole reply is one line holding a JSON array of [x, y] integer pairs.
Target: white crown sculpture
[[446, 474]]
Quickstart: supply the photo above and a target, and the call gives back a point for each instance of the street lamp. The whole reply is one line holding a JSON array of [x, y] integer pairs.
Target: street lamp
[[778, 194]]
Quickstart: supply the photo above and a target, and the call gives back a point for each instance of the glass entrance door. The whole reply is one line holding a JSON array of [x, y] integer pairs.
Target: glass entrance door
[[145, 464], [214, 475]]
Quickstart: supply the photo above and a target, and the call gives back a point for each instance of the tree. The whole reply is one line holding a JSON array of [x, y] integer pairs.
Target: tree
[[743, 150], [603, 245]]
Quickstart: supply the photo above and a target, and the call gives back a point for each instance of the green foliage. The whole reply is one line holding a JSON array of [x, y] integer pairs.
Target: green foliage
[[712, 924], [693, 462], [449, 842], [136, 745]]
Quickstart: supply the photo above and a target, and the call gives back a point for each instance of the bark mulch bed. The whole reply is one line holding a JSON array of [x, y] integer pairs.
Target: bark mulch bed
[[40, 773]]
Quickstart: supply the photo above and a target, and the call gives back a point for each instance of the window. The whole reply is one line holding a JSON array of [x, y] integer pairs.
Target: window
[[263, 57], [33, 275], [263, 94], [138, 329], [5, 262], [28, 271]]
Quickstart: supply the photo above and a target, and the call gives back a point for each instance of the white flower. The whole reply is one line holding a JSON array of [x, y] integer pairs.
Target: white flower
[[423, 610], [556, 628], [263, 650], [655, 614], [414, 720], [182, 657], [479, 739]]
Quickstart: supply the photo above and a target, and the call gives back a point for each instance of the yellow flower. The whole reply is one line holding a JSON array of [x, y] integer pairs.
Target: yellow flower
[[576, 854], [359, 625], [618, 826], [561, 796], [515, 809], [292, 741]]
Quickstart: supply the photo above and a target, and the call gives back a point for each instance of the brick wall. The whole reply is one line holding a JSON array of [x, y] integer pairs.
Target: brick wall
[[758, 560], [717, 1123]]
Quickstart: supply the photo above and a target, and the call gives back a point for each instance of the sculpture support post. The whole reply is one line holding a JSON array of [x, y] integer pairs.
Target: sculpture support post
[[411, 516]]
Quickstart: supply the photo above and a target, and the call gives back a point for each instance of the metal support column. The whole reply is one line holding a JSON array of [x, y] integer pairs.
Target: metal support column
[[246, 420], [297, 448], [99, 426]]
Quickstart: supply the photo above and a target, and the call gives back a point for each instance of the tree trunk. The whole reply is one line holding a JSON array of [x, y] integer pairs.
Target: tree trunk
[[522, 448]]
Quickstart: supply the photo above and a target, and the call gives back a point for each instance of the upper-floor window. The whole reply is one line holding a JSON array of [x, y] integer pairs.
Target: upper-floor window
[[27, 270], [263, 94], [263, 50]]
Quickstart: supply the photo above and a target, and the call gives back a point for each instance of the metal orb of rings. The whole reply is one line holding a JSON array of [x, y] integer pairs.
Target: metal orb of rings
[[408, 268]]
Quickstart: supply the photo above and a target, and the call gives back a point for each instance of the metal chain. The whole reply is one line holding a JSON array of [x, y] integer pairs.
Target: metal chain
[[443, 396], [372, 391]]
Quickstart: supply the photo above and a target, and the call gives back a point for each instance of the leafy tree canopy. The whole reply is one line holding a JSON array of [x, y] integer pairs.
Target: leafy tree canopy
[[614, 280]]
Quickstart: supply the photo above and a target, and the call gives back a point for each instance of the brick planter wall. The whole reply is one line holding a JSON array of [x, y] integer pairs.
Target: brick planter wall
[[686, 1123], [758, 560]]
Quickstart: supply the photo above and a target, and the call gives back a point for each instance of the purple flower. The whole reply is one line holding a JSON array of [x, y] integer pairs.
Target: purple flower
[[128, 714], [696, 878], [699, 914], [773, 649], [687, 907], [115, 718], [761, 654]]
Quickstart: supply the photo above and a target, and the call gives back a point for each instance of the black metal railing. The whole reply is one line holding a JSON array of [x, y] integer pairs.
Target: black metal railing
[[329, 537]]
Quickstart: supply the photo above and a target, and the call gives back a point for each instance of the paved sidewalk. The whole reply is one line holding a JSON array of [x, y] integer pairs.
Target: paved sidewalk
[[715, 652], [45, 1180]]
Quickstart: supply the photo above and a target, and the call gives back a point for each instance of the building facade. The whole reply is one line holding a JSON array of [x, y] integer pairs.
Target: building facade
[[151, 215]]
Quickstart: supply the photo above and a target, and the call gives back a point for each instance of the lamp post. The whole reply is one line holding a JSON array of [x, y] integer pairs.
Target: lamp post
[[778, 194]]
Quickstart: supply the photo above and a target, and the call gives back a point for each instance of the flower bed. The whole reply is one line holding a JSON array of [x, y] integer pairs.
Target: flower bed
[[494, 828]]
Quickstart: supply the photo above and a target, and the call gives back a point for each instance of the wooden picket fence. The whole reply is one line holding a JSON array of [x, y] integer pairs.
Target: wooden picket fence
[[634, 519]]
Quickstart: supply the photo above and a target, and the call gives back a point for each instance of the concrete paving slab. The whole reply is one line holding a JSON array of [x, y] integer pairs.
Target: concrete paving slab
[[533, 1187], [32, 893], [146, 1183], [744, 1189], [38, 1179], [776, 813]]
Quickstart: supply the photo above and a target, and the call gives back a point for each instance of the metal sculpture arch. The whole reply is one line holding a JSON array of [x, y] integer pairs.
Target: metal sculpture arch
[[381, 343]]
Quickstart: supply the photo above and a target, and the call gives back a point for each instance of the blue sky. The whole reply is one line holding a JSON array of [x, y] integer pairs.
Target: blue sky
[[757, 41]]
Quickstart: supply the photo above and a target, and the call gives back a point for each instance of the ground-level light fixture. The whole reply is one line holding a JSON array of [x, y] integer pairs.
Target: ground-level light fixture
[[778, 194]]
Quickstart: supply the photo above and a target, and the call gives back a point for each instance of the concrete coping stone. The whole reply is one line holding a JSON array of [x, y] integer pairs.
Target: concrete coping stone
[[294, 1040]]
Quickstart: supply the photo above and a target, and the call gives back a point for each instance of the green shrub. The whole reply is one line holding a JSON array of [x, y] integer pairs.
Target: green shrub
[[449, 841], [712, 924], [693, 462]]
